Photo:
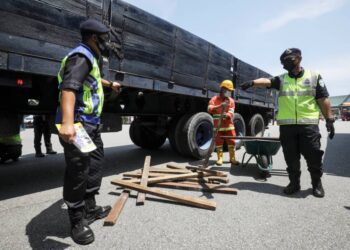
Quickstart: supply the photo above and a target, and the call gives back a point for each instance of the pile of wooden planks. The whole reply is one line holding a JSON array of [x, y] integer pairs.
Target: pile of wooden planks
[[173, 176]]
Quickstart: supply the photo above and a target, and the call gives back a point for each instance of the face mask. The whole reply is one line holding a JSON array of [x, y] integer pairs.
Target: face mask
[[223, 92], [289, 65], [103, 45]]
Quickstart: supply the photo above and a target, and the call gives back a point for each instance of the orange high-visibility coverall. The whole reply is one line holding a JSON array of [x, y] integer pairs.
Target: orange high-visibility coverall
[[227, 127]]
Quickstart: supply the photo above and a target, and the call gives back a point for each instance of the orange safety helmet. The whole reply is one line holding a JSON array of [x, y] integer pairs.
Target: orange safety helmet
[[228, 84]]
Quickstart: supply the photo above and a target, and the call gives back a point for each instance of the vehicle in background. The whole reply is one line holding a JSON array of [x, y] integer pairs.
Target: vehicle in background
[[345, 111], [28, 121]]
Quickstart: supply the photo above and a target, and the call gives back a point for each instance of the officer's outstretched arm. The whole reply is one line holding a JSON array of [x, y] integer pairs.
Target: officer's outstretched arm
[[260, 82]]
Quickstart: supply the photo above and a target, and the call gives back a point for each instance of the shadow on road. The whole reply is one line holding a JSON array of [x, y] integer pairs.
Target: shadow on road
[[337, 156], [48, 225], [31, 175], [269, 188]]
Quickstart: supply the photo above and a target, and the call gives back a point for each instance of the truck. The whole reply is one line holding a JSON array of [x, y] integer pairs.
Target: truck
[[168, 74]]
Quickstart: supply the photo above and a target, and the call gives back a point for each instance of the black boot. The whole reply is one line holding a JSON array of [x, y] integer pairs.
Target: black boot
[[38, 152], [81, 233], [292, 188], [94, 212], [50, 151], [294, 184], [317, 188]]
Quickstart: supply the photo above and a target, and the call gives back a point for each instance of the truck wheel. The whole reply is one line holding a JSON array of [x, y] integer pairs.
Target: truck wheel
[[196, 135], [180, 133], [256, 126], [144, 136], [171, 134], [240, 129]]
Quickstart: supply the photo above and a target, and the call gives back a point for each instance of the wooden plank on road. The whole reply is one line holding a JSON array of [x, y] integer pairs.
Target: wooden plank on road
[[117, 209], [212, 188], [173, 177], [142, 196], [185, 199]]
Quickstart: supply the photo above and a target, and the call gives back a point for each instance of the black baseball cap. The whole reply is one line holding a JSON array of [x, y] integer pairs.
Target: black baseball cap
[[93, 26], [291, 52]]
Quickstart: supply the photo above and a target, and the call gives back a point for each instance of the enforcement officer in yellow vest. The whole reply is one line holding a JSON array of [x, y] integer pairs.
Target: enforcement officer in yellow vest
[[302, 94], [81, 100]]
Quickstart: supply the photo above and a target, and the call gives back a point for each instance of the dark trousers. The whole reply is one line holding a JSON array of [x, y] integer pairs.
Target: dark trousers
[[303, 140], [83, 173], [42, 127]]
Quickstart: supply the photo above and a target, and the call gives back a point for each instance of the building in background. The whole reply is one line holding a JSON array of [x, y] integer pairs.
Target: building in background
[[341, 106]]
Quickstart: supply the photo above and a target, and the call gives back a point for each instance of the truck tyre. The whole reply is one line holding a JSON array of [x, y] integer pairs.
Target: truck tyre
[[240, 129], [256, 126], [196, 135], [144, 136], [171, 134], [179, 134]]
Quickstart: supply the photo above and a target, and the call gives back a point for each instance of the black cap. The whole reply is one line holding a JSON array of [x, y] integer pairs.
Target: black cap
[[289, 53], [93, 26]]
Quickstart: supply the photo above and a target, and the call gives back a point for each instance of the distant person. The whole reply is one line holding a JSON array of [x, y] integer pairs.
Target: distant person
[[302, 94], [42, 127], [81, 100], [227, 128]]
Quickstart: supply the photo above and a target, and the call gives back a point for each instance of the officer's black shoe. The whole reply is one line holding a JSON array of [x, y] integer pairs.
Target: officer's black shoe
[[39, 154], [50, 151], [81, 233], [292, 188], [94, 212], [97, 213], [317, 190]]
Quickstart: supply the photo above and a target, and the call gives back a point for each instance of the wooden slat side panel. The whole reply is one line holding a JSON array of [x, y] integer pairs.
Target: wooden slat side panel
[[77, 7], [149, 32], [26, 27], [33, 47], [43, 13]]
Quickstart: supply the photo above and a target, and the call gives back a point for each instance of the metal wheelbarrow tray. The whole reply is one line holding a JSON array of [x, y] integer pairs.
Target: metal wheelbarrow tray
[[261, 148]]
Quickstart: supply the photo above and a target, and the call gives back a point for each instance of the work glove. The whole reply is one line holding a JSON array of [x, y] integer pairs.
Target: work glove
[[330, 127], [247, 85]]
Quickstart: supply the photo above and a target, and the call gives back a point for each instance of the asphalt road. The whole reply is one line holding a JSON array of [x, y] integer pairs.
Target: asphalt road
[[33, 215]]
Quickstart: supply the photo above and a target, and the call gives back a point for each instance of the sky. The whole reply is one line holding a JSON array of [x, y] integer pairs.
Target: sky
[[257, 32]]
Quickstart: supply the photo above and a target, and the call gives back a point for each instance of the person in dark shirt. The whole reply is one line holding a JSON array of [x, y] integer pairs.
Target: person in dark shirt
[[81, 100], [42, 127], [302, 95]]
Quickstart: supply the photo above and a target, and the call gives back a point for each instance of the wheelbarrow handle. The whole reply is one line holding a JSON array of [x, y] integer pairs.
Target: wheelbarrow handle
[[251, 138]]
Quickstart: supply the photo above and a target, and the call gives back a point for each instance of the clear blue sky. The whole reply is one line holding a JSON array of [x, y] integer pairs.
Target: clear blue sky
[[258, 31]]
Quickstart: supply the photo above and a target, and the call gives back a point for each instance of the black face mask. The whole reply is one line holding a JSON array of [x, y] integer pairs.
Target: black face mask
[[103, 44], [289, 64]]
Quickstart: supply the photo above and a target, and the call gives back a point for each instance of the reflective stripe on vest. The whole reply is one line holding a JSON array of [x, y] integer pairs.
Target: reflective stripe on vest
[[296, 100], [90, 97], [11, 140]]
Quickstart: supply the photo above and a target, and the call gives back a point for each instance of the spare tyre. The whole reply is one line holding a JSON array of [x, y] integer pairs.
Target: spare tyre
[[195, 135], [240, 129], [256, 126]]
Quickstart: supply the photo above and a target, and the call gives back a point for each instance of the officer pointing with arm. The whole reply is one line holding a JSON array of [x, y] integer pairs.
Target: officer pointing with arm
[[81, 100], [302, 94]]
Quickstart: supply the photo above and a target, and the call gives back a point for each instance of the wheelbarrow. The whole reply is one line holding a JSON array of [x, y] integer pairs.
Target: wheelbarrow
[[261, 148]]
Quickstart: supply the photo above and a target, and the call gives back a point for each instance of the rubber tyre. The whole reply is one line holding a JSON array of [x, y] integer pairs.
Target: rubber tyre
[[256, 126], [171, 134], [144, 137], [196, 135], [180, 135], [240, 129], [263, 161]]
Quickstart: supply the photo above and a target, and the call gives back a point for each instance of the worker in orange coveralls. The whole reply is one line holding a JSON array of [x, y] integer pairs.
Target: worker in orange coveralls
[[227, 128]]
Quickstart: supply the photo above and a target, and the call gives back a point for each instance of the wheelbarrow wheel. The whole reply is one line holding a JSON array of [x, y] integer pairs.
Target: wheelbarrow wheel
[[263, 161]]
